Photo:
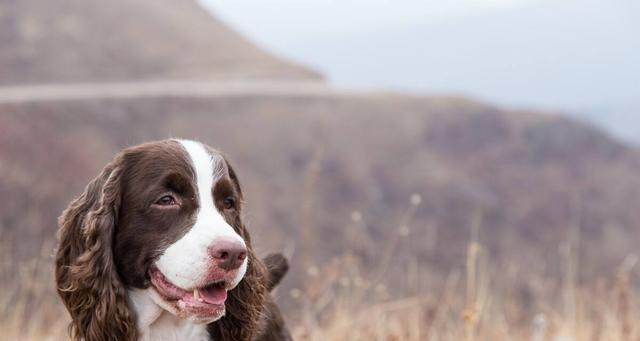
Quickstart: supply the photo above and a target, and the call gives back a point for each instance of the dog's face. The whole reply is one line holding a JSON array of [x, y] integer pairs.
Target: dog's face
[[179, 230]]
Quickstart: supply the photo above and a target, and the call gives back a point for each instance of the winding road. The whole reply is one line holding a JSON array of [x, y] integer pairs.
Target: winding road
[[151, 89]]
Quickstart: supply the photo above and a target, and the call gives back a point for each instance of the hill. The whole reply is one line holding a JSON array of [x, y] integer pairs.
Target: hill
[[90, 41], [533, 177]]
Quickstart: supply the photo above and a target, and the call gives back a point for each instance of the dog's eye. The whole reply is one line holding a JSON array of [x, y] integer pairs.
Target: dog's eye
[[166, 200], [229, 203]]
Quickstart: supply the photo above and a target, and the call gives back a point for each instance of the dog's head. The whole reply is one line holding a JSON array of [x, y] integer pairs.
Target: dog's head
[[164, 217]]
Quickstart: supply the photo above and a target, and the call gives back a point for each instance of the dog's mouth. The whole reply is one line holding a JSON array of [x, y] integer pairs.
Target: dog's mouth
[[200, 302]]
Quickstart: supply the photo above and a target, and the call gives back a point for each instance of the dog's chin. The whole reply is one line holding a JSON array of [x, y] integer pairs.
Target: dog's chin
[[200, 305]]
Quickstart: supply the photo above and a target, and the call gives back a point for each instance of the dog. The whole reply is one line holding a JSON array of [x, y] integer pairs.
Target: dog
[[155, 249]]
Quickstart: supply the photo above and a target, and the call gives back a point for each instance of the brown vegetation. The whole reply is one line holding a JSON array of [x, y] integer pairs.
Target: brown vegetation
[[343, 301]]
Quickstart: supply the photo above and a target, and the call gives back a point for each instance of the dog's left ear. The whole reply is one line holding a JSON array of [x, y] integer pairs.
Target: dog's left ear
[[245, 303], [277, 266], [86, 276]]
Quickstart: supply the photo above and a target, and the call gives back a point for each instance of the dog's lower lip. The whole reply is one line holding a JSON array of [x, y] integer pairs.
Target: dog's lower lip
[[213, 294]]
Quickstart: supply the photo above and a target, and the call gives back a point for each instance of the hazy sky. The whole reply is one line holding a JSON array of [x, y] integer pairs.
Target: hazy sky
[[306, 18], [578, 56]]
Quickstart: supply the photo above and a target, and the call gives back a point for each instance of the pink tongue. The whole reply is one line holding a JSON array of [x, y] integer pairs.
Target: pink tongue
[[213, 295]]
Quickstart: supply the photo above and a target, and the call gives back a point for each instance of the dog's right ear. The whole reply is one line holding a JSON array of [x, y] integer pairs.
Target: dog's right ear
[[86, 276]]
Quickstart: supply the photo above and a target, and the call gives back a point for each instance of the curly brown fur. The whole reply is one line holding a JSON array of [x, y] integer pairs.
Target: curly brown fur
[[86, 277], [273, 327]]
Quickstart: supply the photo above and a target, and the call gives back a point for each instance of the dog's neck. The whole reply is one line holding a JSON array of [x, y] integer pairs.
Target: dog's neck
[[155, 323]]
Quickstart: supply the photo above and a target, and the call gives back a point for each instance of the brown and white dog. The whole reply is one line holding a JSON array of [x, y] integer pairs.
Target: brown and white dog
[[155, 249]]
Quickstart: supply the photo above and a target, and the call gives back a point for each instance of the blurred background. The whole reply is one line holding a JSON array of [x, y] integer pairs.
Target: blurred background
[[434, 170], [578, 56]]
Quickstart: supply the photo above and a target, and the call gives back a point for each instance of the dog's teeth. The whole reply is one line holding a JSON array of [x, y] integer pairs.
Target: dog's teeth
[[196, 294]]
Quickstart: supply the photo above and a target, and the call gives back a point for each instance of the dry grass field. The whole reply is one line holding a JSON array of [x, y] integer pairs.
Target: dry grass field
[[342, 301]]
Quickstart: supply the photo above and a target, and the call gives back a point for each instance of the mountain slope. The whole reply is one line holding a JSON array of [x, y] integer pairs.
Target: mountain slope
[[531, 176], [89, 41]]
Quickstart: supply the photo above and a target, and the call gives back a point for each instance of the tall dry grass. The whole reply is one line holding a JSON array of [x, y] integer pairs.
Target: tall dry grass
[[344, 299], [470, 305], [477, 301], [29, 309]]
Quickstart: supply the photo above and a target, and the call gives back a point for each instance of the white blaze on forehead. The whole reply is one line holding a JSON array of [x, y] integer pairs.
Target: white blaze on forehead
[[187, 261], [209, 168]]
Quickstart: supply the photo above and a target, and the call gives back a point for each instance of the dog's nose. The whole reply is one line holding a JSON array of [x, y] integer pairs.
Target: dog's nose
[[228, 254]]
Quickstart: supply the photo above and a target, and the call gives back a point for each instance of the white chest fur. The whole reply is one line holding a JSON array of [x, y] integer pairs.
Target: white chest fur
[[155, 323]]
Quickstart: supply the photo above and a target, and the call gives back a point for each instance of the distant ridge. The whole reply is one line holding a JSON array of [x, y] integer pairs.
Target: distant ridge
[[119, 40]]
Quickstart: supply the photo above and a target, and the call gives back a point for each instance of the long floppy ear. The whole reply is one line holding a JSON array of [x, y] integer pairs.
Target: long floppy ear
[[245, 304], [86, 276], [277, 266]]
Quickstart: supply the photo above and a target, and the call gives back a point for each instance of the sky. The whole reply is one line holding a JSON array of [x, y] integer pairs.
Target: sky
[[576, 56], [286, 19]]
